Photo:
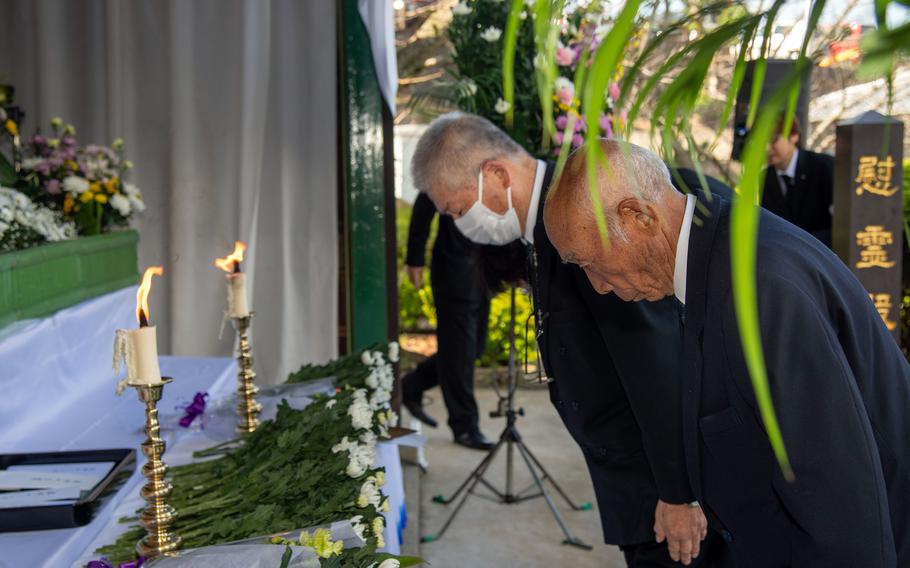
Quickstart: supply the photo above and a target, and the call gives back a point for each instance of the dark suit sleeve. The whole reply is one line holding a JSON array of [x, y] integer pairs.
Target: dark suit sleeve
[[645, 344], [419, 230], [838, 496]]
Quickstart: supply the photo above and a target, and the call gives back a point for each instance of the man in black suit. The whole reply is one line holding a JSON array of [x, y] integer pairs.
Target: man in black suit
[[621, 407], [840, 385], [799, 184], [462, 313]]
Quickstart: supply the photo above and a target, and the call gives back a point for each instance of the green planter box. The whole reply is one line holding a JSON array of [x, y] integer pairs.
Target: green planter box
[[37, 282]]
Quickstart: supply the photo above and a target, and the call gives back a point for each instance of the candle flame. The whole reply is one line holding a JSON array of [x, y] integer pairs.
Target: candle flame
[[227, 263], [142, 296]]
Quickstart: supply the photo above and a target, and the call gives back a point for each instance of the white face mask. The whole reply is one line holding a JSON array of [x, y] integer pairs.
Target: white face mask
[[486, 227]]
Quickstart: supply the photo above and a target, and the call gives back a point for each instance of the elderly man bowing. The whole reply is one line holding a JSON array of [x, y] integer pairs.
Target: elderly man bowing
[[840, 385], [614, 365]]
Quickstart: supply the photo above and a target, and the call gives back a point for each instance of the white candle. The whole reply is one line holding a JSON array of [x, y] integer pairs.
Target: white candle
[[137, 349], [237, 305]]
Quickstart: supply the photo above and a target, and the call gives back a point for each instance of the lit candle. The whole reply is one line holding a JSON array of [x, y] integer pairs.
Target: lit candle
[[237, 305], [138, 348]]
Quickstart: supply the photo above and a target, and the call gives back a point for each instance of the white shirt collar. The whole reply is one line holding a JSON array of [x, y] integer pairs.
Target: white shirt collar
[[791, 169], [682, 251], [534, 204]]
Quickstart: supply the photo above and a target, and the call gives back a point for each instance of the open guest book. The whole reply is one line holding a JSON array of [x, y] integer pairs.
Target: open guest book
[[59, 489]]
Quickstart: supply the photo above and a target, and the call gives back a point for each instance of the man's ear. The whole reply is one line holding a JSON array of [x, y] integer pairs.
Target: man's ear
[[496, 169], [638, 215]]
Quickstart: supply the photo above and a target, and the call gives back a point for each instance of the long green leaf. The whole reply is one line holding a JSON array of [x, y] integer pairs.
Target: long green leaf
[[594, 100], [736, 82], [743, 245], [508, 59]]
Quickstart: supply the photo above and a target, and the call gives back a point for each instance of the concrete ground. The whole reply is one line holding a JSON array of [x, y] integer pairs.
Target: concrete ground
[[524, 535]]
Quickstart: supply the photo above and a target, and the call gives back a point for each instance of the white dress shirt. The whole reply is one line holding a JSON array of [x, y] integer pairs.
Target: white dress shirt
[[790, 171], [534, 204], [682, 251]]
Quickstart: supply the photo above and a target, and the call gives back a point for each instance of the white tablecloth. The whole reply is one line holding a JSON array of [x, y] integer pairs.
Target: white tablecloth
[[58, 394]]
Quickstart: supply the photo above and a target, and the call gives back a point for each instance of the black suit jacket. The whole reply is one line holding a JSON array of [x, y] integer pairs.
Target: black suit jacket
[[808, 204], [456, 267], [841, 390], [616, 385]]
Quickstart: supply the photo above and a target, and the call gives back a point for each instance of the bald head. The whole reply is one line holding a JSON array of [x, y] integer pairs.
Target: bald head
[[643, 213]]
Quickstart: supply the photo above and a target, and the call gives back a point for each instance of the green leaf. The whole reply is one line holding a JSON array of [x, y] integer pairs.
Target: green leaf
[[286, 557], [510, 39], [8, 176], [743, 246]]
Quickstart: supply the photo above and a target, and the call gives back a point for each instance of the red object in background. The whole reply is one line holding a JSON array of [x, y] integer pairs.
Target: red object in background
[[847, 49]]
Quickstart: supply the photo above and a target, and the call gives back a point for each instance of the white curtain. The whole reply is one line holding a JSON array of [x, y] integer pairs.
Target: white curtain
[[228, 109]]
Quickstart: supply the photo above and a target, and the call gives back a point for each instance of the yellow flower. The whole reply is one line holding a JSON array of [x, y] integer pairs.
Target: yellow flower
[[11, 127], [68, 203], [53, 142], [86, 197], [321, 542], [71, 165], [94, 186], [77, 208], [56, 122], [101, 198], [69, 129]]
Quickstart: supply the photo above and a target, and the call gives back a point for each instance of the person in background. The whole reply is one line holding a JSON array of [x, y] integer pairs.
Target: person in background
[[462, 311], [799, 184]]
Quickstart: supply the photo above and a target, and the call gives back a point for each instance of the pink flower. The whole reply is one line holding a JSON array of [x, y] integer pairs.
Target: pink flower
[[566, 95], [580, 123], [605, 120], [565, 56], [561, 121], [614, 91], [559, 137], [53, 187], [577, 141]]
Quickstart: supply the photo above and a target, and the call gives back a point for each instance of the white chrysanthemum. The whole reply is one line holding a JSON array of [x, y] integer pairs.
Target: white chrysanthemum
[[563, 83], [394, 351], [359, 527], [379, 399], [368, 437], [331, 403], [462, 9], [491, 34], [361, 415], [372, 379], [366, 358], [369, 494], [390, 563], [342, 446], [31, 163], [16, 207], [75, 184], [121, 204], [502, 106]]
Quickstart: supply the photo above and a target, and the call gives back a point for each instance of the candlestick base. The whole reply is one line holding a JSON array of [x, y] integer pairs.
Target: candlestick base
[[158, 516], [248, 408]]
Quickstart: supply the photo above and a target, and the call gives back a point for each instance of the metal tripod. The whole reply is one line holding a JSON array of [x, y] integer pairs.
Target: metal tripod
[[511, 439]]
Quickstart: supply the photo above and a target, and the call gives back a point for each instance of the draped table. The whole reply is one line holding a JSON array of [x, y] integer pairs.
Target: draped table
[[58, 394]]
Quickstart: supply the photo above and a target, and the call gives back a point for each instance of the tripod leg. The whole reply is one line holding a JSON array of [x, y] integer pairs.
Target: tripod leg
[[476, 474], [547, 477], [570, 539], [471, 482]]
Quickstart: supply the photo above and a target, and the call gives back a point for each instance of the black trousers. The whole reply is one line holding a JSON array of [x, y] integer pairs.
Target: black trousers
[[461, 333], [714, 554]]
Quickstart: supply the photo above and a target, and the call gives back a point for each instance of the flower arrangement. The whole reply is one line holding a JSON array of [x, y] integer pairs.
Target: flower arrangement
[[85, 183], [305, 468], [476, 35], [24, 224]]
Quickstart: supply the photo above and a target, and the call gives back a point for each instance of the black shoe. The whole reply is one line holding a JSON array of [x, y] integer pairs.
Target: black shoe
[[475, 441], [417, 412]]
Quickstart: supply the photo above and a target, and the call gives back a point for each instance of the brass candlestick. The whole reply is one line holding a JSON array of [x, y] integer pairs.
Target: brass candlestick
[[248, 408], [158, 516]]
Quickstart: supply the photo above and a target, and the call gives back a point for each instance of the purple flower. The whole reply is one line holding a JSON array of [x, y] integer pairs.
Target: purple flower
[[577, 141], [53, 187], [44, 168], [38, 140], [561, 121], [605, 120], [559, 137], [68, 141], [580, 124]]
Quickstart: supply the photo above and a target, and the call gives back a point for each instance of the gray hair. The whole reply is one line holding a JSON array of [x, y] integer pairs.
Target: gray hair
[[634, 172], [454, 147]]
